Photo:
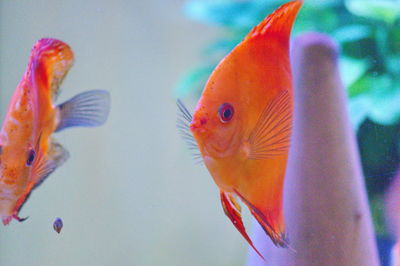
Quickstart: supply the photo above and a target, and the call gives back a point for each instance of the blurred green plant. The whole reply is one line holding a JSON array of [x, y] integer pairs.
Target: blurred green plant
[[368, 32]]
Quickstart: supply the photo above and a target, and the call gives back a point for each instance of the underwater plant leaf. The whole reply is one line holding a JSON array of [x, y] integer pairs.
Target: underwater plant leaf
[[352, 33], [394, 40], [351, 70], [377, 99], [385, 109], [377, 206], [224, 13], [194, 79], [360, 49], [384, 10], [379, 154], [358, 110], [369, 82], [393, 64]]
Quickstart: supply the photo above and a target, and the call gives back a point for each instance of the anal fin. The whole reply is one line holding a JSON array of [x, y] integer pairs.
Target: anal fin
[[232, 210], [273, 230], [87, 109]]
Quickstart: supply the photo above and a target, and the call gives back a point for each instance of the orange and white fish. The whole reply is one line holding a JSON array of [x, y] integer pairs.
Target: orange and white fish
[[242, 123], [28, 153]]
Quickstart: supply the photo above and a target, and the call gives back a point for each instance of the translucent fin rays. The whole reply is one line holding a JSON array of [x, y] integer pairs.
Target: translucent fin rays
[[183, 120]]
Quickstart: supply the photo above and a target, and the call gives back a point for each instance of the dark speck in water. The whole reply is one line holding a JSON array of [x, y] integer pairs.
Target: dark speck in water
[[58, 225]]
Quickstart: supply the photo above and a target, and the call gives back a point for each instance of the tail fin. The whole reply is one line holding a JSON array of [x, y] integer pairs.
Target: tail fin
[[87, 109]]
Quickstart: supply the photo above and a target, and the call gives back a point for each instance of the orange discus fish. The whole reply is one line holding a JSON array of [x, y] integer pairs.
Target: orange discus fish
[[242, 123], [28, 153]]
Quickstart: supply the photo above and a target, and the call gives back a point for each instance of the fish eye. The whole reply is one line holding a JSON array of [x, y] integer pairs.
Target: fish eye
[[31, 157], [225, 112]]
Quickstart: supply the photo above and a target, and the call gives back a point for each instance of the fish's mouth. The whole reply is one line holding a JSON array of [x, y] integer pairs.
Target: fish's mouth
[[197, 125]]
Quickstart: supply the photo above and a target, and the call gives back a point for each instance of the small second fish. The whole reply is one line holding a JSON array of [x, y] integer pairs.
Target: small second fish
[[28, 153]]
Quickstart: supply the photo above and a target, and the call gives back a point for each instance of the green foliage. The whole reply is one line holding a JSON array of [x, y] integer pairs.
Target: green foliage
[[385, 10], [377, 206]]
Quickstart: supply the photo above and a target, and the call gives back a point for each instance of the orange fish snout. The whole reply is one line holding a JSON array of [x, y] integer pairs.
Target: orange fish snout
[[197, 125]]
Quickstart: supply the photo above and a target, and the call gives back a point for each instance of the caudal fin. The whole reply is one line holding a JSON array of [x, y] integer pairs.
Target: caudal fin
[[87, 109]]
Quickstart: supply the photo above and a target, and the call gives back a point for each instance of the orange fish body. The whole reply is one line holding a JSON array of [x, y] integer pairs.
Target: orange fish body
[[242, 123], [28, 154]]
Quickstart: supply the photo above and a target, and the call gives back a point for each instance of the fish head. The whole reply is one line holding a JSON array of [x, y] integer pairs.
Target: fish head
[[216, 121], [223, 117]]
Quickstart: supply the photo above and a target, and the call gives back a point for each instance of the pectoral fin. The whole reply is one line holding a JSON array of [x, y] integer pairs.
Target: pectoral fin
[[271, 135], [232, 210]]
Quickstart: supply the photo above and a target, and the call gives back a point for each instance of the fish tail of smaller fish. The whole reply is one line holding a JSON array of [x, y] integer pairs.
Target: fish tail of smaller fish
[[87, 109], [232, 210]]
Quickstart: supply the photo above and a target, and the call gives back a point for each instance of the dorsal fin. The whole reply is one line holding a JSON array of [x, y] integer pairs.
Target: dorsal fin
[[280, 22]]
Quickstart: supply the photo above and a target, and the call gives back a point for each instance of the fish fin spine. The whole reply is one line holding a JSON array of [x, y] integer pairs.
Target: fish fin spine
[[87, 109]]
